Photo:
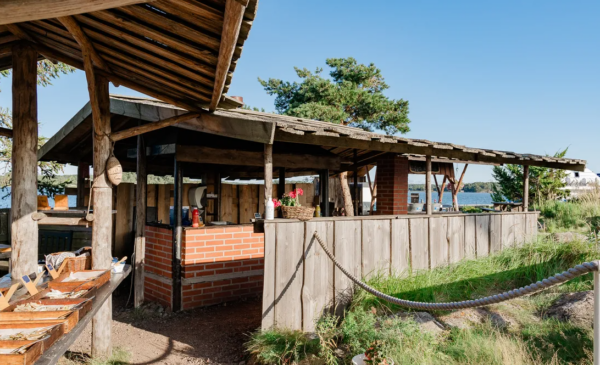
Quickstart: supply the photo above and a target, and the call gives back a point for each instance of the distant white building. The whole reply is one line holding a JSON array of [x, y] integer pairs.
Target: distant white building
[[580, 182]]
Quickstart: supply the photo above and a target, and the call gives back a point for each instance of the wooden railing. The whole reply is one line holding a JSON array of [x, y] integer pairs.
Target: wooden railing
[[301, 282]]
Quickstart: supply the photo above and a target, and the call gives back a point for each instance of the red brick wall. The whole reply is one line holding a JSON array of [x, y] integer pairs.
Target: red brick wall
[[159, 243], [227, 261], [392, 185]]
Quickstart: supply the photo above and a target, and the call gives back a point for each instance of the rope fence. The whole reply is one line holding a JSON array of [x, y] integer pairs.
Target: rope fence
[[557, 279]]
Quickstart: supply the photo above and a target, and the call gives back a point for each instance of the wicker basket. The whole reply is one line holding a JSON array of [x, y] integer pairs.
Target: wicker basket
[[78, 263], [302, 213]]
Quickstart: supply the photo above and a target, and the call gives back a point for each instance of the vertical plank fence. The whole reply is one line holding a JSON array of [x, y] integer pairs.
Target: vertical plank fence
[[301, 283]]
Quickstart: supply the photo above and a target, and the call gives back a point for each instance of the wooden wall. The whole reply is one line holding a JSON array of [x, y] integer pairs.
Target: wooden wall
[[301, 282]]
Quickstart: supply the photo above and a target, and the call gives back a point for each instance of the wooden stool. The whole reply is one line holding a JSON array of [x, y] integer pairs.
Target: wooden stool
[[61, 202], [42, 202]]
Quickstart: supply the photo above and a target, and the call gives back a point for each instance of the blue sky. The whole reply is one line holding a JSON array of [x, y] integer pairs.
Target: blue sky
[[513, 75]]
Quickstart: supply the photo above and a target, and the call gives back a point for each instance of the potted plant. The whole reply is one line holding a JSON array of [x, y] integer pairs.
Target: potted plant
[[291, 208]]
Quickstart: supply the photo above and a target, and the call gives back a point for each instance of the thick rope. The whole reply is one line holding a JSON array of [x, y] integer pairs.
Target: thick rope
[[557, 279]]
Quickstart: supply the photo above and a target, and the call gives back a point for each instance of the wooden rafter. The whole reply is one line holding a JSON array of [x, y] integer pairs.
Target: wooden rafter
[[16, 11], [84, 42], [5, 132], [127, 133], [234, 13]]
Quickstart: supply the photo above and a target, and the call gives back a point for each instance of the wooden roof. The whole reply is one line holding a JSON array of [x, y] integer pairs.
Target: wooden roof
[[181, 51], [261, 128]]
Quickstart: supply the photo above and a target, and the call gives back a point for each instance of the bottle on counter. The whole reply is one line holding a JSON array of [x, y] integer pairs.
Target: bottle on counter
[[270, 210], [318, 211], [195, 218]]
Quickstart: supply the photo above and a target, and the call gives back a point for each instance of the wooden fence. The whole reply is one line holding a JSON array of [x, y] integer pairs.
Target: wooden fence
[[301, 282]]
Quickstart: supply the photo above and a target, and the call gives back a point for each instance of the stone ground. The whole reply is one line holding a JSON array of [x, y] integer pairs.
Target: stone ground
[[213, 335]]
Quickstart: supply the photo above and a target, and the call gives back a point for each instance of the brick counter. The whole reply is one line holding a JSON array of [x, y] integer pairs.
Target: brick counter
[[218, 264]]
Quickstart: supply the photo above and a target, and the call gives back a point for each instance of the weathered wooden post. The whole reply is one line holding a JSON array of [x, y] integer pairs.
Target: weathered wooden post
[[428, 186], [268, 172], [355, 187], [83, 173], [281, 185], [102, 202], [24, 238], [140, 223], [177, 232], [525, 188]]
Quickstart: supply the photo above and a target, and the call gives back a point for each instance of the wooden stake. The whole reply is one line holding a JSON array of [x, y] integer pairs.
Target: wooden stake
[[525, 188], [140, 225], [24, 238], [4, 299], [30, 285], [428, 186]]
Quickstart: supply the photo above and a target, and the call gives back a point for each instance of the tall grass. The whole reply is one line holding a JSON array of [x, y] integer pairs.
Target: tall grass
[[509, 269], [571, 215]]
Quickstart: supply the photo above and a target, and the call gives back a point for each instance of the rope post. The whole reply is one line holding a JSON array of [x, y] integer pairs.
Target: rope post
[[596, 323]]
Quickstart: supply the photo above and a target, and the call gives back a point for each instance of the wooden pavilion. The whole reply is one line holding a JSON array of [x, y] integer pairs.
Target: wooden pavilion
[[181, 51]]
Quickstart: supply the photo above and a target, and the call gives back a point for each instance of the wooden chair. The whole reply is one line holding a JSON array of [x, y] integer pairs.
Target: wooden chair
[[61, 202]]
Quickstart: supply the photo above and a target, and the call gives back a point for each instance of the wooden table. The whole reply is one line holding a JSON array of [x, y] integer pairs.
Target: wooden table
[[504, 206], [54, 353]]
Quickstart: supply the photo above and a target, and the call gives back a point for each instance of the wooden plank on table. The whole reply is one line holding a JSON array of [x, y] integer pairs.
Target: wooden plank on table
[[456, 239], [508, 231], [288, 275], [482, 231], [496, 233], [151, 195], [348, 252], [268, 315], [376, 247], [470, 237], [163, 204], [318, 288], [438, 241], [400, 247], [419, 243], [227, 202]]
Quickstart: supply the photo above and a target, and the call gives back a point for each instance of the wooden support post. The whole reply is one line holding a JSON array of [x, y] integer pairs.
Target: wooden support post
[[140, 224], [443, 188], [281, 185], [525, 188], [268, 172], [102, 202], [217, 215], [124, 220], [83, 174], [428, 201], [177, 232], [324, 176], [355, 188], [24, 238], [457, 188]]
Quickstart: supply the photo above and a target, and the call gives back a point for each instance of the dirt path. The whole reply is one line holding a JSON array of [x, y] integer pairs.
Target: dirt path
[[213, 335]]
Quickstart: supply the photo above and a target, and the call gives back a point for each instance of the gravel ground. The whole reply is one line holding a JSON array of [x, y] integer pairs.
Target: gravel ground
[[213, 335]]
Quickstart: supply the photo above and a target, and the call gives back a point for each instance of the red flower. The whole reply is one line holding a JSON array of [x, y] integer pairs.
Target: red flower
[[299, 192], [276, 203], [292, 194]]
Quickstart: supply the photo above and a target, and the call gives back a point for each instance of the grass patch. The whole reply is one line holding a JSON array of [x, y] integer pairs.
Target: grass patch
[[509, 269], [119, 356], [560, 216]]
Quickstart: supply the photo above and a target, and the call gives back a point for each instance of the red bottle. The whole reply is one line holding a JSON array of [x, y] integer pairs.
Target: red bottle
[[195, 218]]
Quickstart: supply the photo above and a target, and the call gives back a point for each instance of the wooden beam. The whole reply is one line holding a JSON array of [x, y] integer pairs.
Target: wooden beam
[[63, 221], [457, 187], [16, 11], [234, 127], [525, 188], [19, 32], [428, 201], [234, 13], [5, 132], [400, 147], [217, 156], [145, 128], [24, 240], [268, 162], [83, 174], [84, 42], [140, 228], [102, 202]]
